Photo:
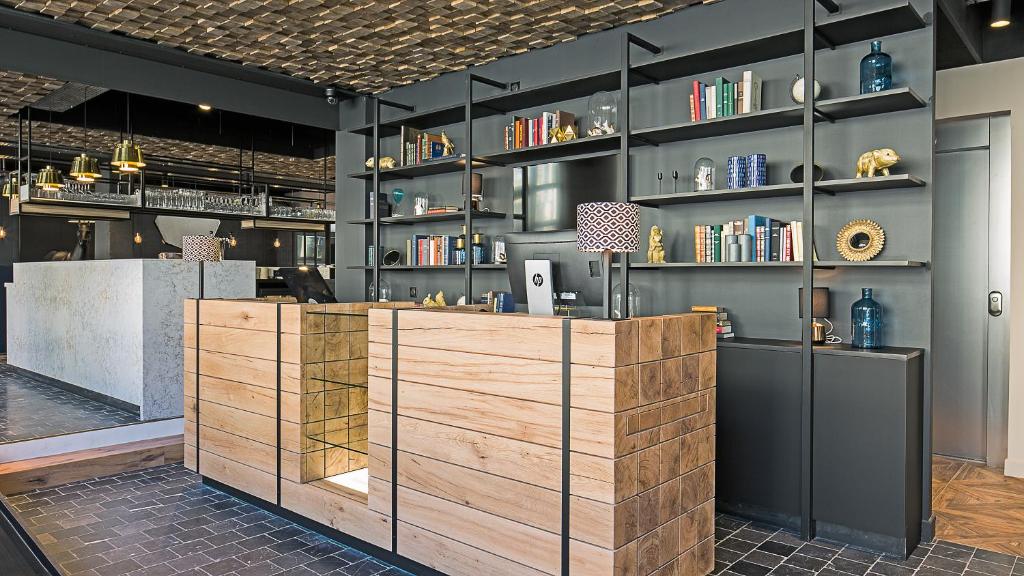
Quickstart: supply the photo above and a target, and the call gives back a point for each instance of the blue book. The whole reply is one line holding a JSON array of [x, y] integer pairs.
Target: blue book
[[753, 221], [704, 100]]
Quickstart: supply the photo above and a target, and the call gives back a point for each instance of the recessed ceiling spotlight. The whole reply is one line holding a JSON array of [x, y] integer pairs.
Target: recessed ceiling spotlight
[[205, 107], [1000, 14]]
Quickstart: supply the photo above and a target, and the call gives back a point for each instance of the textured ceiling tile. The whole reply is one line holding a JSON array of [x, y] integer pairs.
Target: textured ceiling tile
[[360, 44]]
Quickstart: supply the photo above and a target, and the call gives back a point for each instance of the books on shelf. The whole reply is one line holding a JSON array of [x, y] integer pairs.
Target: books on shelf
[[722, 98], [427, 250], [525, 132], [751, 239], [723, 326], [419, 146]]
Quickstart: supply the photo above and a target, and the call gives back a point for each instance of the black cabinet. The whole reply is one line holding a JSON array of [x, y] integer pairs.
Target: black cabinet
[[867, 453]]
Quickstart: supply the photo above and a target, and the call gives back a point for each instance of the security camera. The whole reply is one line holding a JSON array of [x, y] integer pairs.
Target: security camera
[[332, 95]]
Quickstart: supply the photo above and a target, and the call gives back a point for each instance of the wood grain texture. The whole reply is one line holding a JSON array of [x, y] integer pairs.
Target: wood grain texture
[[978, 506], [262, 485], [454, 557]]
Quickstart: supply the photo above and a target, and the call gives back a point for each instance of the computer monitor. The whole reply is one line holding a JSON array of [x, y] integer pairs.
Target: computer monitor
[[306, 284], [577, 275]]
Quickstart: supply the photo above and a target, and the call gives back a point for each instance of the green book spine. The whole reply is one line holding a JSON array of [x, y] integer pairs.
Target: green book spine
[[727, 100], [719, 96], [717, 242], [733, 99]]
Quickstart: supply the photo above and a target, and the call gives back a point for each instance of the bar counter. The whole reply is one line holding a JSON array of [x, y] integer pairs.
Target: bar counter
[[464, 443]]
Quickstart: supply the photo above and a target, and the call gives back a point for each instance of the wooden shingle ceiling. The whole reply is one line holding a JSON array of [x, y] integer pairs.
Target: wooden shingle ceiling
[[368, 46]]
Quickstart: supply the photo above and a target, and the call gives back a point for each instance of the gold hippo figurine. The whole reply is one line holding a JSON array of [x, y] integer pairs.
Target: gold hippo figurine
[[386, 162], [655, 247], [877, 161]]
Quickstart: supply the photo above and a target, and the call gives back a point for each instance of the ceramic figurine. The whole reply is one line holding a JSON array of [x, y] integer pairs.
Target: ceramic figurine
[[386, 162], [449, 146], [877, 161], [435, 302], [655, 247]]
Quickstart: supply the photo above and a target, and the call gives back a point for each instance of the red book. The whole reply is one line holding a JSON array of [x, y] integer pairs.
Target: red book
[[696, 99]]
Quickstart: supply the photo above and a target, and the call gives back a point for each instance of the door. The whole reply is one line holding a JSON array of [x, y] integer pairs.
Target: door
[[971, 260]]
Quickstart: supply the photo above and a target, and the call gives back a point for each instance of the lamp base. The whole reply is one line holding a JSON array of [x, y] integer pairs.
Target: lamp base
[[817, 332]]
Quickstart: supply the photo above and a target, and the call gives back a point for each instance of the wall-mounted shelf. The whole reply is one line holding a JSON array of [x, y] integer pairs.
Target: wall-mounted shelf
[[836, 349], [838, 30], [894, 182], [821, 264], [404, 268], [556, 151], [428, 168], [446, 217], [894, 100]]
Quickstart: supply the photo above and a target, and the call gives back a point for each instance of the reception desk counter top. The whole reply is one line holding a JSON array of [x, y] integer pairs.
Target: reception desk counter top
[[113, 327], [467, 443]]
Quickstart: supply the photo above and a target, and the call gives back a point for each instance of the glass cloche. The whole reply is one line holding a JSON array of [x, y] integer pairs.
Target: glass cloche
[[704, 175], [604, 114]]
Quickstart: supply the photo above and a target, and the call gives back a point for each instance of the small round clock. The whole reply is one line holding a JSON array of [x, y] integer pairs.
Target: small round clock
[[797, 90]]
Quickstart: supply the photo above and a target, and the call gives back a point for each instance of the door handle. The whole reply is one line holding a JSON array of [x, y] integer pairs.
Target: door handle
[[995, 303]]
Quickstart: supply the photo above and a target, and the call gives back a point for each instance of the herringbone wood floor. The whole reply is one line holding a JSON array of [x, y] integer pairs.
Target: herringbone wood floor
[[977, 506]]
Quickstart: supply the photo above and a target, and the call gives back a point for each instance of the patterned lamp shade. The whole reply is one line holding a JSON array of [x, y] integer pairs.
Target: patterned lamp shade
[[611, 226]]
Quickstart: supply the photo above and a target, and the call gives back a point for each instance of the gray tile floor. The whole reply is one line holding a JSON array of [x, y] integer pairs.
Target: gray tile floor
[[163, 522], [31, 409]]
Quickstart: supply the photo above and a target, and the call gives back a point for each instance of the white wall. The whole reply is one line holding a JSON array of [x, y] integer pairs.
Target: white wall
[[985, 89]]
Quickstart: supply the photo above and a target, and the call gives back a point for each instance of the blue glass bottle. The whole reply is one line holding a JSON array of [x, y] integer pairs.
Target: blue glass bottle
[[866, 321], [875, 70]]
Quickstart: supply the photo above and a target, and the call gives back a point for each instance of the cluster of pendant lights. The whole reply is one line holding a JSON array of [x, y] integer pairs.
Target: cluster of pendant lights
[[127, 159]]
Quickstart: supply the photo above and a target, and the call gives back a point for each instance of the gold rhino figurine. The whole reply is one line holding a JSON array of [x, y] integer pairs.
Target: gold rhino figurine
[[655, 247], [876, 161], [386, 162]]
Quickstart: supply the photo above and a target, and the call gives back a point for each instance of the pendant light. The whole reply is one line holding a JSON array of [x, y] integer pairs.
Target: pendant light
[[9, 185], [85, 168], [1000, 14], [127, 156], [49, 179]]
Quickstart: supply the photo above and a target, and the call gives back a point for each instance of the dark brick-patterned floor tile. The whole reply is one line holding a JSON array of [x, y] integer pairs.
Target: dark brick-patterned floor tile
[[156, 557], [223, 566], [995, 557], [806, 562], [986, 567], [261, 569], [749, 569], [815, 550], [763, 558], [190, 561], [859, 555], [736, 545], [258, 541], [121, 567], [719, 567], [286, 546], [254, 529], [726, 555], [327, 564], [292, 559], [930, 571], [779, 548], [943, 550], [933, 561], [225, 551], [83, 564], [125, 552], [257, 556], [790, 570], [729, 522], [885, 569], [847, 566], [352, 555], [155, 570], [299, 571], [321, 549]]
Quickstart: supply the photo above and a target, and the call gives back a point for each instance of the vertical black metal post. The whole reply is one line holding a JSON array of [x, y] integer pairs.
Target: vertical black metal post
[[624, 311], [467, 189], [28, 161], [807, 348], [373, 201]]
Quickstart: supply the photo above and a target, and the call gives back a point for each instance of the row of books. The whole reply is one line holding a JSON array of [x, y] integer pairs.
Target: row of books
[[758, 239], [525, 132], [426, 250], [419, 146], [723, 326], [724, 98]]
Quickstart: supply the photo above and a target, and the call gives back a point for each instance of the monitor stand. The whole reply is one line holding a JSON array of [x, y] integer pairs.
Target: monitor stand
[[540, 298]]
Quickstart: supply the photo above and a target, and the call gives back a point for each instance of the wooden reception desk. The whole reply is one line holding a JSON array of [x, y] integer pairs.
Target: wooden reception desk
[[455, 440]]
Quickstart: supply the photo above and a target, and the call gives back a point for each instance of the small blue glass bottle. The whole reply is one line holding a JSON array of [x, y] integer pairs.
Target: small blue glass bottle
[[866, 321], [875, 70]]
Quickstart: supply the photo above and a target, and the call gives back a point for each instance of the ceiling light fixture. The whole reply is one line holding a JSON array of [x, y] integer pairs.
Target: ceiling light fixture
[[3, 233], [137, 238], [1000, 14], [127, 156], [277, 242], [85, 168], [49, 178], [205, 107], [10, 185]]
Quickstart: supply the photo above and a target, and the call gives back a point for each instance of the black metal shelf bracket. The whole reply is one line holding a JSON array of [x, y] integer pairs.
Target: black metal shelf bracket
[[824, 39], [398, 105], [824, 116], [831, 5]]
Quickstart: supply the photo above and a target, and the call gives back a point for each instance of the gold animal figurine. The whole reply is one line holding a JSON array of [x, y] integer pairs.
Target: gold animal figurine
[[655, 247], [877, 161], [436, 301], [449, 146], [386, 162]]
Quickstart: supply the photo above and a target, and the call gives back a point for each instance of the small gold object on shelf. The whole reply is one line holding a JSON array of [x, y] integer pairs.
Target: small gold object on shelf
[[655, 247], [386, 162], [860, 240], [436, 301], [562, 134], [876, 161], [449, 146]]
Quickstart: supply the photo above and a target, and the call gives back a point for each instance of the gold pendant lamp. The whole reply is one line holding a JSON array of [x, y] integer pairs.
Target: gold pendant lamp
[[85, 168], [9, 185], [50, 179], [128, 155]]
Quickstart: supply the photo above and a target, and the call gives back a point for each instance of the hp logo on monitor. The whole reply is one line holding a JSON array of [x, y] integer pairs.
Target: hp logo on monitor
[[538, 280]]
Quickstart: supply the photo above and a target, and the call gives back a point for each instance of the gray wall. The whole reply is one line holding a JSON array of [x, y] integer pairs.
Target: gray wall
[[763, 302]]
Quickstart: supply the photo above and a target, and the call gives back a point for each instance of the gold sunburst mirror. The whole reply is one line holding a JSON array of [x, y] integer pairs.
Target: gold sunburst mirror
[[860, 240]]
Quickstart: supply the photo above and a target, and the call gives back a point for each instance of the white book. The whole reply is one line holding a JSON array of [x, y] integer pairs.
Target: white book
[[752, 84]]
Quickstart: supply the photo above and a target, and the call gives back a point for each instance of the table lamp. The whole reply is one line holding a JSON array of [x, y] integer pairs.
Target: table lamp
[[820, 308], [607, 227]]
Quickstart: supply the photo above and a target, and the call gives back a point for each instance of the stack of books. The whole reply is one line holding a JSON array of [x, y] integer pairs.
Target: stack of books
[[525, 132], [767, 240], [723, 98], [443, 209], [419, 147], [723, 326]]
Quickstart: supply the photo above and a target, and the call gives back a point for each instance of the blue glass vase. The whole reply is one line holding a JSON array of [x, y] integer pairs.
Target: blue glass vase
[[875, 70], [866, 321]]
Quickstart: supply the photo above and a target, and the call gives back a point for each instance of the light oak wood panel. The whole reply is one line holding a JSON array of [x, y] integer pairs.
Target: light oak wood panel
[[255, 371], [190, 409], [603, 388], [188, 310], [505, 538], [256, 399], [238, 422], [244, 314], [453, 557], [343, 514], [602, 343], [190, 336], [589, 560], [515, 419], [592, 477], [190, 384], [49, 471], [509, 499], [239, 476], [379, 427], [190, 458], [291, 437], [238, 342], [523, 461], [189, 436], [189, 364], [239, 449], [509, 335], [485, 373]]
